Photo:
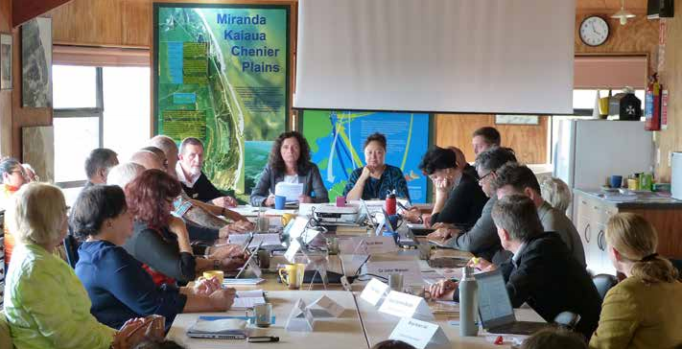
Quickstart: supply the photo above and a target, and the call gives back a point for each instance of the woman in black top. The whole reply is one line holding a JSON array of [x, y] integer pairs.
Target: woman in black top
[[459, 198], [160, 241]]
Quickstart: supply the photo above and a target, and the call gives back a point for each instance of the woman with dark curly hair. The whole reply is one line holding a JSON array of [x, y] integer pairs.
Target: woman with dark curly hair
[[160, 240], [289, 162]]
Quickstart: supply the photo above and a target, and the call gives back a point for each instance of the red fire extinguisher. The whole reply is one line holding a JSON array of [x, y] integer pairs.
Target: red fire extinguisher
[[653, 103]]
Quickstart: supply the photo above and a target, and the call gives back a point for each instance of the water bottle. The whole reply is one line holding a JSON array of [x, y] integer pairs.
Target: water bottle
[[390, 203], [468, 303]]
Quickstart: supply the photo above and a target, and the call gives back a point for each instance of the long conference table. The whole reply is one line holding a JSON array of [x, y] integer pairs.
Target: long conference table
[[360, 325]]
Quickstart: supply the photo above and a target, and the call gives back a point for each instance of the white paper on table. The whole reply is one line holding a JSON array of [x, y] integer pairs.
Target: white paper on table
[[250, 293], [242, 303], [266, 240], [406, 305], [327, 305], [409, 269], [374, 291], [420, 334], [291, 191], [300, 318]]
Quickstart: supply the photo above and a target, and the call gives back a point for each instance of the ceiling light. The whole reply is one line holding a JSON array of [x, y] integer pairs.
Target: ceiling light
[[622, 15]]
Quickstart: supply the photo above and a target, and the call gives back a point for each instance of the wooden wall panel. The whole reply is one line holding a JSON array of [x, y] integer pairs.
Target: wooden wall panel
[[639, 35], [6, 96], [137, 15], [670, 139], [95, 23], [529, 142]]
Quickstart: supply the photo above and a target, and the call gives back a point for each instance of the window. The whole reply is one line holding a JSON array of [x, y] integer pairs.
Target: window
[[584, 100], [97, 107]]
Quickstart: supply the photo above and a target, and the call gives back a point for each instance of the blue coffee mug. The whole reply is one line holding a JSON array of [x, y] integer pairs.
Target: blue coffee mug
[[280, 202], [615, 181]]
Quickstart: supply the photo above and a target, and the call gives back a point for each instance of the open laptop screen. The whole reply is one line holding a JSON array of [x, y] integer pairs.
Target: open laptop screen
[[495, 308]]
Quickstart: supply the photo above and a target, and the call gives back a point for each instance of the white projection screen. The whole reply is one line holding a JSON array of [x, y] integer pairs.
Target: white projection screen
[[465, 56]]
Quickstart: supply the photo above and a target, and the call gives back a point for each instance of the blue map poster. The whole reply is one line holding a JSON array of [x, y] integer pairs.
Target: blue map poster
[[336, 139]]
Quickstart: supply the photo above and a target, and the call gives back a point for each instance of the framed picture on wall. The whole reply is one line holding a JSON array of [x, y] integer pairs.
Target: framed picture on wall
[[36, 63], [517, 119], [5, 61]]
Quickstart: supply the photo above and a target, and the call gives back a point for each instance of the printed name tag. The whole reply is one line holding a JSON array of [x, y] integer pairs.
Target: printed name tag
[[406, 305], [409, 269], [368, 245], [327, 306], [420, 334], [374, 291]]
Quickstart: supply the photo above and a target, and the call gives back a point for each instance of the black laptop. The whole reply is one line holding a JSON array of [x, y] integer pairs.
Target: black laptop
[[495, 310]]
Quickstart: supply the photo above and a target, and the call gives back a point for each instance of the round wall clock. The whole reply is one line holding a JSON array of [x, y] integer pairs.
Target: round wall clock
[[594, 31]]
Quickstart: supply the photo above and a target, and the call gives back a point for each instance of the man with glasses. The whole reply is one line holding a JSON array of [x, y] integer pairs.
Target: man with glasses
[[482, 240]]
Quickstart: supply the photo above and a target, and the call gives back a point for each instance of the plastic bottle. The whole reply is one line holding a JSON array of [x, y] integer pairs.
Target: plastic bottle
[[390, 203], [468, 303]]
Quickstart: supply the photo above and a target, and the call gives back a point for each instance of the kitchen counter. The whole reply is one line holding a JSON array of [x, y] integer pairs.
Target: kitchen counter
[[632, 201]]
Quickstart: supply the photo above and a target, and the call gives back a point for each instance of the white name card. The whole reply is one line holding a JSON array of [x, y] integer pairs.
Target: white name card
[[409, 269], [368, 245], [253, 268], [420, 334], [374, 291], [406, 305], [326, 307], [300, 318]]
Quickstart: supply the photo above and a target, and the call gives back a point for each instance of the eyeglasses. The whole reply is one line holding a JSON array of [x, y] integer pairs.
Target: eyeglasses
[[481, 179]]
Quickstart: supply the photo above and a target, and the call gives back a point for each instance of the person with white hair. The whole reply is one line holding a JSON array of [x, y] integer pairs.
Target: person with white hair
[[46, 305], [557, 193], [124, 173]]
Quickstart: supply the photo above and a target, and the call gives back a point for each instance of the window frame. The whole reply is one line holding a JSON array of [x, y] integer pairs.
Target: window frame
[[97, 112]]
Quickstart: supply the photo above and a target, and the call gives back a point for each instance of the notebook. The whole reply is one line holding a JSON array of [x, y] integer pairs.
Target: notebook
[[218, 329]]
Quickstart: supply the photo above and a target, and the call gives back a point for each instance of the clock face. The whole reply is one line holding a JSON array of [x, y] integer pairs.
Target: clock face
[[594, 31]]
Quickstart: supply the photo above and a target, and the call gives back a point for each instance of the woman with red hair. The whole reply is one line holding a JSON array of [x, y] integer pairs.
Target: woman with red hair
[[160, 241]]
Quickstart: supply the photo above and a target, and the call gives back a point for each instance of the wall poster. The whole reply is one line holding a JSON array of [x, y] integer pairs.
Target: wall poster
[[336, 139], [221, 75]]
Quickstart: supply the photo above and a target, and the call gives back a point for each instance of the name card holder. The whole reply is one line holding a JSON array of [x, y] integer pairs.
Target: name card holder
[[325, 307], [374, 292], [406, 305], [420, 334], [300, 318]]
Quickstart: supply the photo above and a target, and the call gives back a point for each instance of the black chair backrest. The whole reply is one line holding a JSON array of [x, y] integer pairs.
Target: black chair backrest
[[71, 246], [603, 282]]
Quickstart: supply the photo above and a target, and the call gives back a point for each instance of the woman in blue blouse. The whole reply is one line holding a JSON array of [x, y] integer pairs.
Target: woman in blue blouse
[[376, 180], [118, 286]]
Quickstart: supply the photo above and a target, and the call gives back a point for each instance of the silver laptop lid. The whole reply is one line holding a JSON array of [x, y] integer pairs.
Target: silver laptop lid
[[495, 308]]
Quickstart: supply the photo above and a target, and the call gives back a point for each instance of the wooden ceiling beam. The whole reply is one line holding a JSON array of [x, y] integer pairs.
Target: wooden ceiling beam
[[26, 10]]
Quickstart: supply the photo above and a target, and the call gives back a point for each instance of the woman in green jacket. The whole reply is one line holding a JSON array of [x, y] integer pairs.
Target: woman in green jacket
[[46, 305]]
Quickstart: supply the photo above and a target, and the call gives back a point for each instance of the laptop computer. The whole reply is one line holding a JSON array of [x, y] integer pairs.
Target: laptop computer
[[495, 309]]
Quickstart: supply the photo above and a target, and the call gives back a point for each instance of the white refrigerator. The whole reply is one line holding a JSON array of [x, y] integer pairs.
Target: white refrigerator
[[586, 152]]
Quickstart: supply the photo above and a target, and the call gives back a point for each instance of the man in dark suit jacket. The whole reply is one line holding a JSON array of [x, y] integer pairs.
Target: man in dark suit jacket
[[542, 272]]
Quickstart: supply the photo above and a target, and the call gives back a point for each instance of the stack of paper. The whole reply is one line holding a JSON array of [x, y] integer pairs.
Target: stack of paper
[[247, 299]]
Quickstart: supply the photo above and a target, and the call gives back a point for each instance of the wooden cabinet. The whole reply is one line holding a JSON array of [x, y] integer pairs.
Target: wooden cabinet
[[592, 213]]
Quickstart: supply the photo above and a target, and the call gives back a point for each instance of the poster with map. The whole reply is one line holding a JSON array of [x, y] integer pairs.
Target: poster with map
[[221, 75], [336, 139]]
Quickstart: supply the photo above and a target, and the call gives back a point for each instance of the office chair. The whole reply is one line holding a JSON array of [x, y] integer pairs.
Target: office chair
[[603, 282], [71, 245]]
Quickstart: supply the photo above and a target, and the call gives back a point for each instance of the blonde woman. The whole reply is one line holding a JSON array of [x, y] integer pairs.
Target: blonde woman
[[45, 304], [644, 310]]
